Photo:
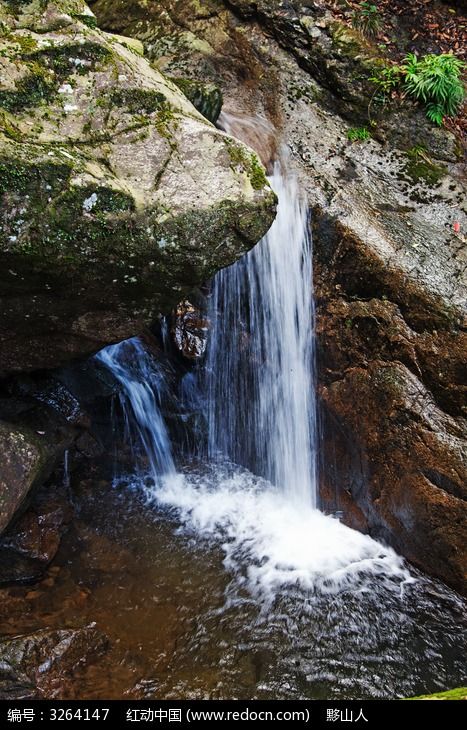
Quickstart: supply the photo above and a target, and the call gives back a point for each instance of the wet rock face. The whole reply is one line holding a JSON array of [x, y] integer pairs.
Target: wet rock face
[[189, 330], [37, 665], [392, 385], [31, 542], [39, 420], [117, 195], [23, 460], [409, 480]]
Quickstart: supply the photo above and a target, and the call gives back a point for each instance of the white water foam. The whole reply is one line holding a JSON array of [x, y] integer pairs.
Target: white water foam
[[272, 544]]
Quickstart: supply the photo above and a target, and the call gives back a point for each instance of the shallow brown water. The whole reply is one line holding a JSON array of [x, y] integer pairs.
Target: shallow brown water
[[181, 625]]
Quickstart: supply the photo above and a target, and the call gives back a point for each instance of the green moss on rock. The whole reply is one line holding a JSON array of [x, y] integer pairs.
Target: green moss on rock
[[33, 89], [17, 176], [421, 168], [95, 240], [349, 42], [17, 6], [62, 58], [140, 100], [47, 68], [206, 98], [166, 122], [8, 127], [249, 162], [89, 20], [26, 43]]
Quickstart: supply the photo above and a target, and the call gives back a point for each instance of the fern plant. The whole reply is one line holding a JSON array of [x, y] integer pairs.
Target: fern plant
[[436, 80], [366, 19]]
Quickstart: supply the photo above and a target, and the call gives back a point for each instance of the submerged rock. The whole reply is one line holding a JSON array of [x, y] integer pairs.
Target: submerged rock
[[117, 195], [18, 569], [37, 665]]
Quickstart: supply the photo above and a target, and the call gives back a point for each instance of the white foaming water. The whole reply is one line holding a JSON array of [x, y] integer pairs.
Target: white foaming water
[[271, 543]]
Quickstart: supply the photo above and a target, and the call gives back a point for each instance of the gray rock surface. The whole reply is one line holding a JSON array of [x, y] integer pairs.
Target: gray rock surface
[[27, 458]]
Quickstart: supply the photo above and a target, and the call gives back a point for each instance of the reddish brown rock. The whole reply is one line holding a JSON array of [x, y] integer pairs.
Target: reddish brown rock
[[38, 532], [13, 605], [392, 383], [410, 480]]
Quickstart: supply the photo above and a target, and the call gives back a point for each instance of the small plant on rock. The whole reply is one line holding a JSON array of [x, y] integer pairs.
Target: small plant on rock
[[436, 80], [358, 134], [367, 19], [386, 80]]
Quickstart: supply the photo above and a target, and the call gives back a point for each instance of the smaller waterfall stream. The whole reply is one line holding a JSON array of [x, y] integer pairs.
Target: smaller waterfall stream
[[143, 384]]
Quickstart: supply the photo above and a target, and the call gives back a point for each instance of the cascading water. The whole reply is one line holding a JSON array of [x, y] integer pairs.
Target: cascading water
[[261, 393], [142, 383], [262, 415]]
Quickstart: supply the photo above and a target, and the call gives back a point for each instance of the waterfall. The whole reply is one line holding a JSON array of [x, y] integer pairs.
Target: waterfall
[[260, 370], [256, 496], [143, 385]]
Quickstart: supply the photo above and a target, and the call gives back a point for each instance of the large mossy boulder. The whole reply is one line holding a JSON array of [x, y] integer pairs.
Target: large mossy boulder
[[118, 197]]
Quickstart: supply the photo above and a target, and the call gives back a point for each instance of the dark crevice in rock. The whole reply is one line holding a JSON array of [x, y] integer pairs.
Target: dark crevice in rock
[[441, 481], [17, 569]]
